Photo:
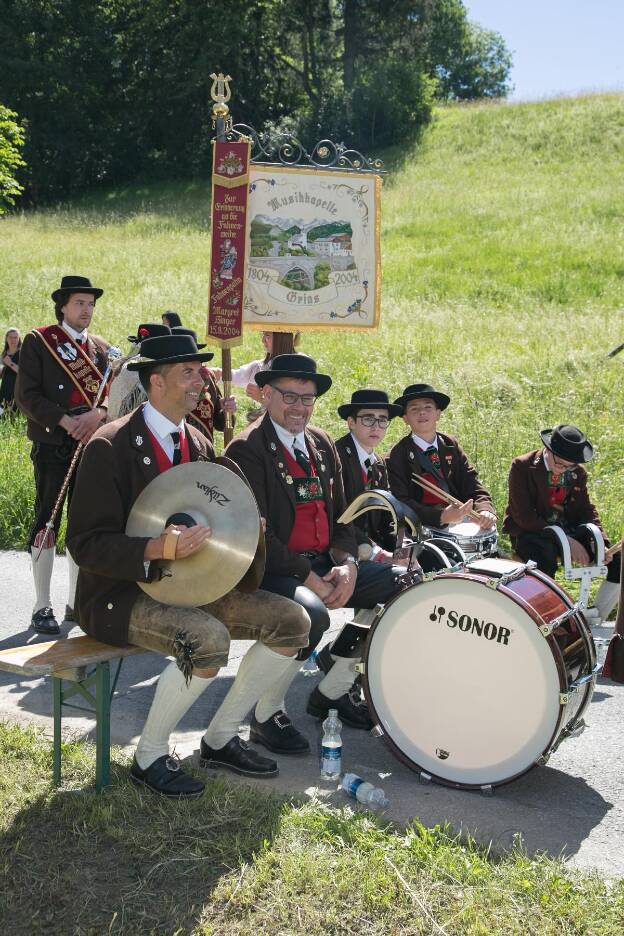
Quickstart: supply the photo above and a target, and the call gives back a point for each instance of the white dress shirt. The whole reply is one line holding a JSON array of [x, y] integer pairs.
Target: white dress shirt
[[289, 440], [77, 336], [423, 444], [362, 454], [162, 428]]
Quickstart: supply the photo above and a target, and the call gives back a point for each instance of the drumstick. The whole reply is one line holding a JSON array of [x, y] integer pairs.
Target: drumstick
[[611, 551], [452, 501]]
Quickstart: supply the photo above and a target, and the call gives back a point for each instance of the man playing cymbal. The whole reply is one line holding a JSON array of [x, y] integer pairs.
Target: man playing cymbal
[[118, 463], [437, 458]]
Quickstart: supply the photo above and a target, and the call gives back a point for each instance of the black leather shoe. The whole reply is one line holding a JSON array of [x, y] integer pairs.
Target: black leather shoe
[[351, 710], [278, 734], [324, 659], [165, 776], [70, 615], [237, 757], [44, 622]]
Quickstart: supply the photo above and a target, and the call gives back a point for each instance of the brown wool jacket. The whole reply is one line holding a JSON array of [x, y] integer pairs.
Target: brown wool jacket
[[528, 508], [43, 388], [461, 477], [117, 464], [260, 455], [372, 527]]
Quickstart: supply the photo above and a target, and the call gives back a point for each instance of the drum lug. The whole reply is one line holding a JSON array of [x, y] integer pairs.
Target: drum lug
[[517, 573], [377, 732], [564, 697], [360, 668], [424, 777], [487, 789], [547, 629], [542, 760]]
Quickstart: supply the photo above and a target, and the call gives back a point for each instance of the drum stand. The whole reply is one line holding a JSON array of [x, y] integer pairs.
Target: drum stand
[[584, 574]]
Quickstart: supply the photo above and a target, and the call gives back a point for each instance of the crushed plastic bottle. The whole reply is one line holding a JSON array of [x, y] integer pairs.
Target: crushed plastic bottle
[[310, 667], [363, 791]]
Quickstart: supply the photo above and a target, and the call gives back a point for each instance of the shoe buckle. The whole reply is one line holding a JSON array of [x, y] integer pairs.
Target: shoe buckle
[[172, 765], [282, 720]]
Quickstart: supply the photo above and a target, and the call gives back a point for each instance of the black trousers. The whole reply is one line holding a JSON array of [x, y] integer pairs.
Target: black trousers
[[376, 584], [50, 463], [544, 549]]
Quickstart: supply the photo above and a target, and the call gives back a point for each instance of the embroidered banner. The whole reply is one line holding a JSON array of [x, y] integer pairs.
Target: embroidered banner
[[73, 359], [314, 249], [230, 188]]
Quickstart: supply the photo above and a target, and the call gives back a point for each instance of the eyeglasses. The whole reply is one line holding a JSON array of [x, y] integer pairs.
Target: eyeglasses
[[308, 399], [560, 463], [370, 421]]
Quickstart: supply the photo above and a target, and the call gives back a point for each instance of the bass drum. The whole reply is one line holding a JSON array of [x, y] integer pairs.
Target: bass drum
[[475, 677]]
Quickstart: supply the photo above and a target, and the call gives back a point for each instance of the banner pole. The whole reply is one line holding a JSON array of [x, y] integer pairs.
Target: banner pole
[[221, 112]]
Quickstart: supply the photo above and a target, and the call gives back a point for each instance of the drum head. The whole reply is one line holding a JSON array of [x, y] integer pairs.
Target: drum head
[[462, 681]]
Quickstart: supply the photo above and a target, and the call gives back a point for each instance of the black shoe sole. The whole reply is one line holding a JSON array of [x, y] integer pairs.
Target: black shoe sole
[[323, 713], [146, 786], [225, 765], [287, 752]]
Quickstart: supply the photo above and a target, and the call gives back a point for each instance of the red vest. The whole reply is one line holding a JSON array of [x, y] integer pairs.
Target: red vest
[[311, 530], [162, 459]]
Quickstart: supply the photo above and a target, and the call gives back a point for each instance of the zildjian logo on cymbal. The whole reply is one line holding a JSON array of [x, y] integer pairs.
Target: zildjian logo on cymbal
[[213, 494]]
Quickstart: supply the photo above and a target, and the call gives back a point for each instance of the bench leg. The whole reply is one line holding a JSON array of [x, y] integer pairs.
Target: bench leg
[[57, 694], [102, 716]]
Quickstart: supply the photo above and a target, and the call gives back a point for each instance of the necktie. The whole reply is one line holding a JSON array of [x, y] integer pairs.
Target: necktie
[[302, 460], [369, 469], [177, 452], [433, 456]]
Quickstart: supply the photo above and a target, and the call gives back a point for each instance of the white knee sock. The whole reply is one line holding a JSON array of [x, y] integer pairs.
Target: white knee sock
[[73, 578], [172, 699], [339, 679], [273, 699], [42, 575], [606, 598], [261, 667]]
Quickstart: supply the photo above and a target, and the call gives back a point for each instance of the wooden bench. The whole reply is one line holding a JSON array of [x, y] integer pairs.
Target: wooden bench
[[84, 663]]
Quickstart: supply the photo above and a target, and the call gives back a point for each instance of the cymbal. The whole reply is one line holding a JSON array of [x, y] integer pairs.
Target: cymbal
[[213, 496]]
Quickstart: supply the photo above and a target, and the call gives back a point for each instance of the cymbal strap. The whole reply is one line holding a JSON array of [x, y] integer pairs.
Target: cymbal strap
[[170, 546]]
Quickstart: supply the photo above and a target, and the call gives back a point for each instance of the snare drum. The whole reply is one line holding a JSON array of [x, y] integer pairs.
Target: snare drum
[[476, 676], [462, 540]]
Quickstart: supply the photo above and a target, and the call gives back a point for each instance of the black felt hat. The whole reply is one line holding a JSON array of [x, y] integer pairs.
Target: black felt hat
[[72, 284], [419, 391], [181, 330], [149, 330], [298, 366], [168, 349], [568, 442], [369, 399]]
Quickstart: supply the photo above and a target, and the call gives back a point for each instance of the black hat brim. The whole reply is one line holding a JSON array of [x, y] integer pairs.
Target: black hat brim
[[584, 454], [323, 381], [348, 409], [59, 294], [176, 359], [440, 399]]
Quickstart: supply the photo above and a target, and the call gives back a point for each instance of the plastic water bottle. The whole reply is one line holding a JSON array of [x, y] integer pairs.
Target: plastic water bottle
[[331, 747], [310, 667], [363, 791]]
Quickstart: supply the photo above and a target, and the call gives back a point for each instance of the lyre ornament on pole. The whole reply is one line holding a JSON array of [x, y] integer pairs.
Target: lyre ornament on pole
[[220, 93]]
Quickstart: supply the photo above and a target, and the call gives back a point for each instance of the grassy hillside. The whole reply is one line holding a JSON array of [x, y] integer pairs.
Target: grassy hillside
[[503, 281]]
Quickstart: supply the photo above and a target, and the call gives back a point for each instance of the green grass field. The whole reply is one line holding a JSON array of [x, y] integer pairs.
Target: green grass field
[[240, 864], [503, 257]]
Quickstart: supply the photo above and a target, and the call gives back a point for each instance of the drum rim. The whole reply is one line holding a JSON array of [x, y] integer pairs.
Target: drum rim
[[560, 724]]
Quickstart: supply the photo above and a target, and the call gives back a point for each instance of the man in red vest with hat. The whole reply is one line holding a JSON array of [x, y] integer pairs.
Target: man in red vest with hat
[[61, 369], [295, 473], [549, 486], [118, 464]]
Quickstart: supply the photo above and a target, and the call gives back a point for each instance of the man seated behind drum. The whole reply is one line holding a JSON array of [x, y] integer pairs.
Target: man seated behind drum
[[118, 464], [437, 458], [294, 471], [368, 416], [549, 486]]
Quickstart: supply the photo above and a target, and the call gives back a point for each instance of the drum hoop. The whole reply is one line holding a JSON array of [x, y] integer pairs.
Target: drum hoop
[[537, 619]]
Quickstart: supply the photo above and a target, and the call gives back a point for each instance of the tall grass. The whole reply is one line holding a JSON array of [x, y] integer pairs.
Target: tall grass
[[503, 254]]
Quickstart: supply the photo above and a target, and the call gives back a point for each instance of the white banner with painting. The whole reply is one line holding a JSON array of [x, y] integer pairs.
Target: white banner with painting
[[313, 249]]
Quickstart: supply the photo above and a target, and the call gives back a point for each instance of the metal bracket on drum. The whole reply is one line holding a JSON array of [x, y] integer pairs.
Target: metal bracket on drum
[[424, 777], [564, 697], [572, 731], [486, 789], [542, 760], [377, 732], [548, 628], [360, 668], [515, 574]]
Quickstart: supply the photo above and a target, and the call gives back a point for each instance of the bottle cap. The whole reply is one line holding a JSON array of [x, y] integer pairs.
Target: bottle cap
[[333, 711]]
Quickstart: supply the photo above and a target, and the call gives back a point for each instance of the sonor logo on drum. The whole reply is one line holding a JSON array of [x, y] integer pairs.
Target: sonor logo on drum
[[471, 625]]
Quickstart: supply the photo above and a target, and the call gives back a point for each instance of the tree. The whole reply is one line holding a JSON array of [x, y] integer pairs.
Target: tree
[[11, 142]]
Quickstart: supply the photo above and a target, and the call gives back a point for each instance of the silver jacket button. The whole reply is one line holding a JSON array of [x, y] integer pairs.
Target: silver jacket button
[[109, 606]]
